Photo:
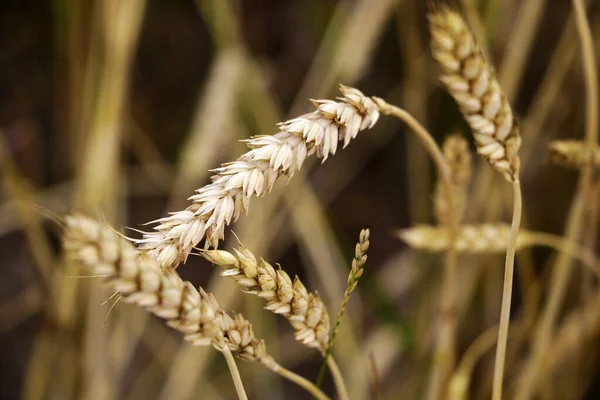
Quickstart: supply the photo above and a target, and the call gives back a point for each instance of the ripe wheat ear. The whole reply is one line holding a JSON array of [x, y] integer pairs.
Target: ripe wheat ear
[[139, 280], [253, 174]]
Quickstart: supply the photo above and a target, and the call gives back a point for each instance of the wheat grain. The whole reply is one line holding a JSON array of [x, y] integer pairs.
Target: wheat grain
[[253, 174], [305, 311], [574, 154], [472, 83], [450, 197]]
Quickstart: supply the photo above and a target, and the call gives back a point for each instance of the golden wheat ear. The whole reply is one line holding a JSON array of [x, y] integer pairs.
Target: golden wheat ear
[[223, 201], [471, 81], [139, 280]]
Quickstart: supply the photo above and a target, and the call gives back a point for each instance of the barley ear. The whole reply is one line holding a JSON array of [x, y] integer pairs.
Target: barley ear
[[471, 81]]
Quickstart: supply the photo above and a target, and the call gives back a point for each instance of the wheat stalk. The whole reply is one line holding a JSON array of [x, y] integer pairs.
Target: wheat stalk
[[449, 201], [471, 80], [574, 154], [583, 202], [139, 280], [472, 83], [253, 174]]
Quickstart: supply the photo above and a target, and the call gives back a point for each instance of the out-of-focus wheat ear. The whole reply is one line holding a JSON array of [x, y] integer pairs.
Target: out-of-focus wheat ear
[[450, 198], [491, 238], [574, 154], [222, 202], [471, 81], [485, 238]]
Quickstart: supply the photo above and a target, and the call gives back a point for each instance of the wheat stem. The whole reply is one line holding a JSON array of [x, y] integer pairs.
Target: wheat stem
[[235, 374], [461, 380], [532, 370], [300, 381], [422, 134], [559, 243], [507, 293], [338, 379], [589, 66]]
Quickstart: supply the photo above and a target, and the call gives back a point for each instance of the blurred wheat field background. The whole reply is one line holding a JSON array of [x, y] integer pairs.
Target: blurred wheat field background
[[119, 109]]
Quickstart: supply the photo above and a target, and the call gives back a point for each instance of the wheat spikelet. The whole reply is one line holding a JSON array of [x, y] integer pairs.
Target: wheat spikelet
[[472, 83], [139, 280], [573, 154], [253, 174], [305, 311], [356, 271], [450, 199]]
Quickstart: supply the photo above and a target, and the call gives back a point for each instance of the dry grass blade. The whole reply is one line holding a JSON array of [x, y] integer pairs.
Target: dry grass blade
[[574, 154], [472, 82], [223, 201]]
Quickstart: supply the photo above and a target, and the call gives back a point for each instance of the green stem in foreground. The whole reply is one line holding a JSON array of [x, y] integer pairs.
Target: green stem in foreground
[[507, 293], [235, 374]]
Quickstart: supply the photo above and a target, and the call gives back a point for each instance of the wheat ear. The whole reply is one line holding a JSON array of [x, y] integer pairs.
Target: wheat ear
[[139, 280], [470, 79], [253, 174], [472, 83], [450, 200], [492, 238], [305, 311], [574, 154], [356, 271]]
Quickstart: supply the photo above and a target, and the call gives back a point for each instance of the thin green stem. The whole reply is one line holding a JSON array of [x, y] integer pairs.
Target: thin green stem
[[507, 293]]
